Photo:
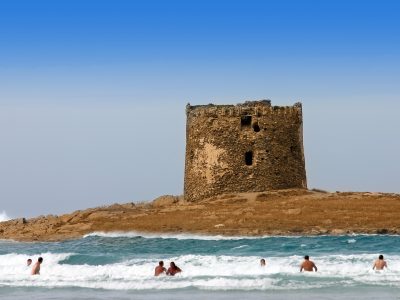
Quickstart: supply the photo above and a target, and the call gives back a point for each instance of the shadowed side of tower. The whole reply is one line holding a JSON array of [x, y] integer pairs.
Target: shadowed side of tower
[[249, 147]]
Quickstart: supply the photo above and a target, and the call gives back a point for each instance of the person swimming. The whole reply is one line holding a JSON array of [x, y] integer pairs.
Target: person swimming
[[379, 264], [262, 262], [28, 262], [308, 265], [173, 269], [160, 268], [36, 267]]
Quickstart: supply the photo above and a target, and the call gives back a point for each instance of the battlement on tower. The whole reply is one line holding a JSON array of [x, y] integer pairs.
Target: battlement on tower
[[248, 147], [258, 108]]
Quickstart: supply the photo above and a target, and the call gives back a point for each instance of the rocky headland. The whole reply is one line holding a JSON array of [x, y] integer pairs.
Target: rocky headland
[[284, 212]]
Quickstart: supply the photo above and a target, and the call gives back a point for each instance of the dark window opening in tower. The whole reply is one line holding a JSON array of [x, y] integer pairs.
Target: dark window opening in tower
[[256, 128], [245, 121], [248, 158]]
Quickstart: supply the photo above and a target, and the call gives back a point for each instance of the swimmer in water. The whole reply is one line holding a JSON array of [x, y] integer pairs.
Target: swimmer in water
[[36, 267], [28, 262], [308, 265], [160, 269], [379, 264], [173, 269], [262, 262]]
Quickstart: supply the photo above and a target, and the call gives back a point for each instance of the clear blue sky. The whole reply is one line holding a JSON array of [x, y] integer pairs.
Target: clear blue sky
[[93, 93]]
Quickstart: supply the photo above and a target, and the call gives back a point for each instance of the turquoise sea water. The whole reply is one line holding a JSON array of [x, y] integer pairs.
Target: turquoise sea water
[[121, 266]]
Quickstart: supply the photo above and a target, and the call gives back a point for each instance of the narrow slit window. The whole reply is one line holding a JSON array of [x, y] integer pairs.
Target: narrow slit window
[[248, 158], [245, 121]]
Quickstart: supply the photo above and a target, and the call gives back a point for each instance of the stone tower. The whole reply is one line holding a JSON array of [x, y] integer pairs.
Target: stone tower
[[249, 147]]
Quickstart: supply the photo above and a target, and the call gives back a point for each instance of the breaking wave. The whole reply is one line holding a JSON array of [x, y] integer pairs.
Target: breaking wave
[[185, 236], [133, 234], [3, 216], [206, 272]]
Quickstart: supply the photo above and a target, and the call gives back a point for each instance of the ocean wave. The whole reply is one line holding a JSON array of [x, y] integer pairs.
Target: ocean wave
[[208, 272], [187, 236], [240, 247], [14, 259], [4, 216], [183, 236]]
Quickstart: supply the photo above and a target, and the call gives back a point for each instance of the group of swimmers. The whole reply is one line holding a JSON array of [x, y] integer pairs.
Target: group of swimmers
[[36, 266], [160, 269], [172, 270], [307, 265]]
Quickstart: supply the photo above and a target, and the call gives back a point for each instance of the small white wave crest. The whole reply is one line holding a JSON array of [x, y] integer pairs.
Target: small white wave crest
[[3, 216], [183, 236], [187, 236]]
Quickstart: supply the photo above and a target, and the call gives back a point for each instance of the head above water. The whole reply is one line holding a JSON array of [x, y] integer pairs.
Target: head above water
[[40, 259], [172, 264], [29, 261], [161, 263], [381, 257], [262, 262], [306, 257]]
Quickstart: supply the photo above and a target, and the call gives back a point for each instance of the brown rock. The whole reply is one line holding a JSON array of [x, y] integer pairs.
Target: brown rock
[[337, 213], [99, 215], [165, 201], [293, 211]]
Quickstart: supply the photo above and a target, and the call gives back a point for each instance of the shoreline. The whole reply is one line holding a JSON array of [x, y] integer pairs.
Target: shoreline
[[294, 212], [190, 236]]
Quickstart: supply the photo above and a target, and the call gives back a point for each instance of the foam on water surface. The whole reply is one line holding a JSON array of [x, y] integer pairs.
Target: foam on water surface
[[133, 234], [200, 272], [185, 236], [126, 262]]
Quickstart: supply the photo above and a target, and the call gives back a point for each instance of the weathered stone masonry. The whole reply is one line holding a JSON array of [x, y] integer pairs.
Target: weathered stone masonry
[[249, 147]]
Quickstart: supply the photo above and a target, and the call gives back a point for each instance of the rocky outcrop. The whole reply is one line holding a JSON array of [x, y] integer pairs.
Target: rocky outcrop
[[285, 212]]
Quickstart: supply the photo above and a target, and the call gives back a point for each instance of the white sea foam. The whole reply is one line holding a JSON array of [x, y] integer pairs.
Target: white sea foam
[[184, 236], [241, 247], [202, 272], [3, 216]]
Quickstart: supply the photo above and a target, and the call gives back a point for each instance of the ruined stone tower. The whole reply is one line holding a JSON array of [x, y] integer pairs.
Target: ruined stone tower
[[249, 147]]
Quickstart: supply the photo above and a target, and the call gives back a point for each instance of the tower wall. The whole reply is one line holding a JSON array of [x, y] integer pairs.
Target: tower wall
[[249, 147]]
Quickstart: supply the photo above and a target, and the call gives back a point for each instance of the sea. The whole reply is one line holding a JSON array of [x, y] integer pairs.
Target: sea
[[121, 266]]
